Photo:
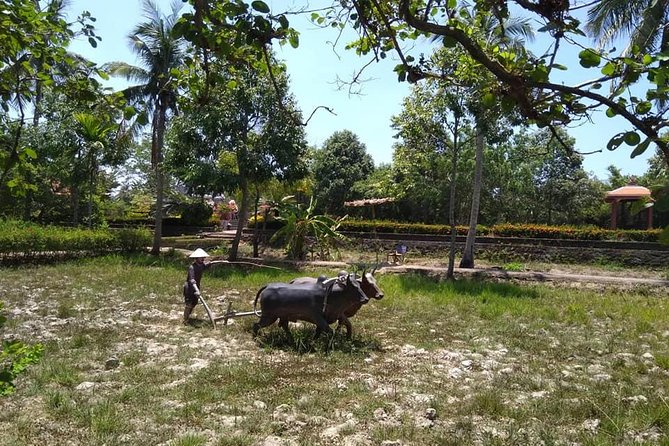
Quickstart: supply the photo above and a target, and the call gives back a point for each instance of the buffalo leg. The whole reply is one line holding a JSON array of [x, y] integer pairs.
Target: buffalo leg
[[322, 326], [263, 322], [347, 323], [283, 323]]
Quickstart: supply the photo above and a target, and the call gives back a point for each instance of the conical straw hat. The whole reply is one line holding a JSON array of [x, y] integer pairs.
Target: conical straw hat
[[199, 252]]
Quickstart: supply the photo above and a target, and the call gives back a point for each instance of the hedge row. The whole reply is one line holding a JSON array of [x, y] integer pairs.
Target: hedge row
[[27, 239], [501, 230], [508, 230], [575, 233]]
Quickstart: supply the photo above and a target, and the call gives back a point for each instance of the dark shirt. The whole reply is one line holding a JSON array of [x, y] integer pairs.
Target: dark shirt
[[195, 272]]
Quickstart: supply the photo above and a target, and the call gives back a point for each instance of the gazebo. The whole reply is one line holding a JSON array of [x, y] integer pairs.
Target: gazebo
[[626, 194], [369, 202]]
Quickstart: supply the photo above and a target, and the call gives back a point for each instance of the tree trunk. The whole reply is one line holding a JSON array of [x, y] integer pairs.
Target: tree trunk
[[89, 208], [451, 212], [467, 260], [256, 234], [74, 199], [242, 216], [157, 158]]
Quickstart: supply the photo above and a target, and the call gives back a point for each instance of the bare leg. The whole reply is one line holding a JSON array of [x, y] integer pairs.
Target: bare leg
[[188, 309]]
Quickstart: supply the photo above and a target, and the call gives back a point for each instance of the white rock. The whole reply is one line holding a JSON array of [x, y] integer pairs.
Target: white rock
[[273, 440], [636, 399], [455, 373], [86, 385], [380, 414], [259, 405], [591, 425], [601, 377]]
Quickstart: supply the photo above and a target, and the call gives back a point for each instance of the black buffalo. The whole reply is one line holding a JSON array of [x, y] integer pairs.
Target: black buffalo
[[367, 284], [318, 303]]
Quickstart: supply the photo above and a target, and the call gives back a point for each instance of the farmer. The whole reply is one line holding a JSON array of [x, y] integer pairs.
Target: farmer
[[192, 285]]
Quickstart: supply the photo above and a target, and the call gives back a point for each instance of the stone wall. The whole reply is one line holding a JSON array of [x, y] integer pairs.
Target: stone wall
[[542, 250]]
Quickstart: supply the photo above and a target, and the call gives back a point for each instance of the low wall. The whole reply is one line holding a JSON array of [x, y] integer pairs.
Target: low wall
[[508, 249], [525, 249]]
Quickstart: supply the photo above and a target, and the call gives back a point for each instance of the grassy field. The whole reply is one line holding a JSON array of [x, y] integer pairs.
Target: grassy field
[[433, 363]]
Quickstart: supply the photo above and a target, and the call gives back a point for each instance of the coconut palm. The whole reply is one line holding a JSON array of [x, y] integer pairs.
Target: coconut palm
[[160, 51], [512, 35], [643, 21]]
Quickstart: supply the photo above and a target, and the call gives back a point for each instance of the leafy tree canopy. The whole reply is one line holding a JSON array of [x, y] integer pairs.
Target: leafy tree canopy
[[341, 162]]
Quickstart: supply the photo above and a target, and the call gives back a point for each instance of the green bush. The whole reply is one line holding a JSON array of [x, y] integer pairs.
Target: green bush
[[574, 233], [196, 213], [501, 230], [28, 239], [405, 228], [15, 356]]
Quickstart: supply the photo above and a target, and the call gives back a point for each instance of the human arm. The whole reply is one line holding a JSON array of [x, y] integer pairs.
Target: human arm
[[192, 282]]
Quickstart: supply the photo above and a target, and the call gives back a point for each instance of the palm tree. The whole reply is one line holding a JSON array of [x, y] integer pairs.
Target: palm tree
[[643, 21], [93, 130], [160, 51], [511, 34]]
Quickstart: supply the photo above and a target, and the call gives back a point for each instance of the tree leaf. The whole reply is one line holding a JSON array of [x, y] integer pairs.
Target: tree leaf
[[615, 142], [294, 40], [640, 148], [632, 138], [609, 69], [449, 42], [589, 58], [260, 6], [643, 107]]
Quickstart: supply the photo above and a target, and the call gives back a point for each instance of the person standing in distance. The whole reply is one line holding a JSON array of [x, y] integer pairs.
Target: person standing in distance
[[192, 285]]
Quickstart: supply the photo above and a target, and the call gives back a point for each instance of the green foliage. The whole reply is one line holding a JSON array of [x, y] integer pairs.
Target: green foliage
[[530, 83], [393, 227], [33, 60], [507, 230], [240, 130], [341, 162], [302, 225], [195, 213], [15, 357], [27, 240], [574, 233]]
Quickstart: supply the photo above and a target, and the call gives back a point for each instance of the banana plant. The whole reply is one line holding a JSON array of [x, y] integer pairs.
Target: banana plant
[[303, 229]]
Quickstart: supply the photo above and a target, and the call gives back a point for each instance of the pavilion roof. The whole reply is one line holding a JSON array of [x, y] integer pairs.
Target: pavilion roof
[[368, 202], [629, 192]]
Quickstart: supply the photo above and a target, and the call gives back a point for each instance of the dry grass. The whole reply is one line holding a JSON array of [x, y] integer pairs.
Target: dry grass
[[433, 363]]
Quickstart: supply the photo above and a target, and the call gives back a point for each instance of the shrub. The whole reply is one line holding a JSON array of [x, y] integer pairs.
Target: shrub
[[15, 356], [500, 230], [405, 228], [28, 239], [196, 213]]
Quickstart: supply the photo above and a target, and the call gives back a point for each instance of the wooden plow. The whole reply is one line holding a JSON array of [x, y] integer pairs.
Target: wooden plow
[[229, 313]]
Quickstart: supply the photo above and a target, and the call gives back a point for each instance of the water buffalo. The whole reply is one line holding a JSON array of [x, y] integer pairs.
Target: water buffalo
[[318, 303], [367, 284]]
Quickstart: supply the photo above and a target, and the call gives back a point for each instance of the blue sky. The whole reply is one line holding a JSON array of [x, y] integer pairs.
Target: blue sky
[[314, 68]]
